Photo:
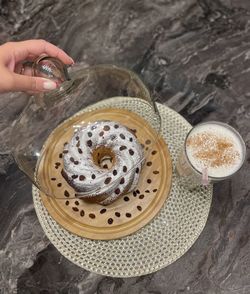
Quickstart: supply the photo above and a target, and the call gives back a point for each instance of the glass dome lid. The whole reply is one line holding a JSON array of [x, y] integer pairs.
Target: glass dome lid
[[88, 135]]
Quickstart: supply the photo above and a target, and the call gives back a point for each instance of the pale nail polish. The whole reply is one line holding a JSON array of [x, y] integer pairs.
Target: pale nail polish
[[49, 85]]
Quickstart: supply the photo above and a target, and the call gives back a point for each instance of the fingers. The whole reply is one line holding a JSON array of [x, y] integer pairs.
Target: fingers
[[33, 84], [14, 82], [24, 49]]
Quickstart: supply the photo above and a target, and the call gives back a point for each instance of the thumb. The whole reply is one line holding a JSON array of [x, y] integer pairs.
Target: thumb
[[31, 84]]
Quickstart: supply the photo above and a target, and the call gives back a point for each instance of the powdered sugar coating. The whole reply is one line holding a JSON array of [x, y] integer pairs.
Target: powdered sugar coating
[[89, 179]]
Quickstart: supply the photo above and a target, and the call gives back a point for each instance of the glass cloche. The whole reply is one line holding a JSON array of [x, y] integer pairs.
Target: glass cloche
[[91, 135]]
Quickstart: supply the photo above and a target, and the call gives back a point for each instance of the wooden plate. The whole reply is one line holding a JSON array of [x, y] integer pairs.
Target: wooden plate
[[127, 214]]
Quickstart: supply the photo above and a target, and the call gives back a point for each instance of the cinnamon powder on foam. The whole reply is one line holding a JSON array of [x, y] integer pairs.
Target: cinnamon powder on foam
[[213, 150]]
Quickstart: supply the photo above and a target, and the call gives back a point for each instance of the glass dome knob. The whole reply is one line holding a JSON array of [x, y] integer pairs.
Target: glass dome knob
[[50, 68]]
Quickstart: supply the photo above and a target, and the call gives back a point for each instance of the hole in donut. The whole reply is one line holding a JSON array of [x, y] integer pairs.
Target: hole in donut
[[103, 157]]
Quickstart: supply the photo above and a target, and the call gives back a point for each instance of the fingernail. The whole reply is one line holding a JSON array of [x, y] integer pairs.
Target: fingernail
[[72, 61], [49, 85]]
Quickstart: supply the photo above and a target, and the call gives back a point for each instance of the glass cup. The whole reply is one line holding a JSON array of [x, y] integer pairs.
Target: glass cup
[[213, 151]]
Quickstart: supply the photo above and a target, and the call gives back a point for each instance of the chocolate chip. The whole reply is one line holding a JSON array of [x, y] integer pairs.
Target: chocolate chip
[[91, 215], [65, 151], [156, 172], [76, 162], [80, 150], [58, 163], [112, 137], [126, 198], [147, 191], [146, 148], [67, 202], [123, 148], [106, 128], [77, 138], [134, 194], [131, 152], [149, 181], [155, 190], [66, 193], [89, 143], [56, 167], [93, 176], [74, 176], [59, 185], [137, 170], [53, 179], [102, 211], [110, 221], [139, 208], [75, 208], [82, 213], [107, 180], [93, 127], [148, 142], [117, 214], [114, 172], [122, 181], [117, 191], [82, 178], [131, 139], [76, 203], [60, 155], [149, 163], [65, 143], [116, 126], [154, 152], [124, 169], [122, 136], [101, 133], [72, 159], [138, 191], [78, 144], [90, 134], [105, 166], [141, 196], [128, 214]]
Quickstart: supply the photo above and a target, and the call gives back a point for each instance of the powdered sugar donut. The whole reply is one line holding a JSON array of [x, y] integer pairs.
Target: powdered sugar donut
[[102, 161]]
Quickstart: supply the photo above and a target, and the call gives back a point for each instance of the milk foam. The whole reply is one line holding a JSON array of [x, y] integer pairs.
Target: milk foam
[[219, 131]]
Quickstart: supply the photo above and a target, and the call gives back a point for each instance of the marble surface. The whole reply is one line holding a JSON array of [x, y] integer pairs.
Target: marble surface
[[195, 57]]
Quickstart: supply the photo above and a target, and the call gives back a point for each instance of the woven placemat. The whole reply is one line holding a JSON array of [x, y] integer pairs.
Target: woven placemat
[[166, 238]]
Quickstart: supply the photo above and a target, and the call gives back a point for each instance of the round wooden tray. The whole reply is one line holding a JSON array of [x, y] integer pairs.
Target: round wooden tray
[[127, 214]]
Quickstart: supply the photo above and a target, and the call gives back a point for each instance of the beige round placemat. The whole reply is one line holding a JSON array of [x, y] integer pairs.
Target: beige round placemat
[[166, 238]]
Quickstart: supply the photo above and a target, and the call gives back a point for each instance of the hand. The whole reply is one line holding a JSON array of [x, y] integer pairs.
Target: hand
[[12, 53]]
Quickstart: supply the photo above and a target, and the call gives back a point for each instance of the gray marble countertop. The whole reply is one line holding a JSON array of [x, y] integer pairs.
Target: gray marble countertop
[[194, 55]]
